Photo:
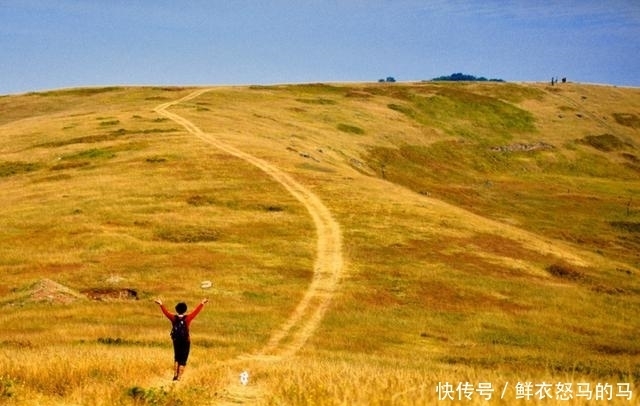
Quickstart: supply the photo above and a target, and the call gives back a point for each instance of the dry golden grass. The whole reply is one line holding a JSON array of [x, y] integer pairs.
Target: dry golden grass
[[462, 263]]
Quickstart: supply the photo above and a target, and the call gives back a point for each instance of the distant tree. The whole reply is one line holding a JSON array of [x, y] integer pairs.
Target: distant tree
[[461, 77], [390, 79]]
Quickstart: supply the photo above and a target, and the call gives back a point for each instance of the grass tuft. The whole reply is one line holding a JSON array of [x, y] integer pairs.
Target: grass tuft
[[7, 385], [186, 234], [273, 208], [351, 129], [318, 101], [630, 226], [109, 123], [200, 200], [156, 159], [152, 396]]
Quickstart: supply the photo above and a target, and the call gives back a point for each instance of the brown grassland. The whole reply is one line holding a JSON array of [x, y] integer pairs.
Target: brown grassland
[[489, 233]]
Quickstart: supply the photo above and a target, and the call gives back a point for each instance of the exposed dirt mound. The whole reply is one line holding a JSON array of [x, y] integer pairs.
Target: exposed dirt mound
[[112, 294], [46, 290]]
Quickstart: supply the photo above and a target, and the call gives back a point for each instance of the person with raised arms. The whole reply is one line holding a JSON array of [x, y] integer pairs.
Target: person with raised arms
[[180, 335]]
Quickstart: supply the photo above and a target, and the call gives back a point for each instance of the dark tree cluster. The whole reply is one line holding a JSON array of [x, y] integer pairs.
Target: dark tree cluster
[[461, 77], [389, 79]]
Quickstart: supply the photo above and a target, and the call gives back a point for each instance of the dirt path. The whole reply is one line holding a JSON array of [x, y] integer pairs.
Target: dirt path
[[306, 317]]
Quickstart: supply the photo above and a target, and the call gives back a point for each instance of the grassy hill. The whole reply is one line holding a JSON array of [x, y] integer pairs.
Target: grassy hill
[[489, 233]]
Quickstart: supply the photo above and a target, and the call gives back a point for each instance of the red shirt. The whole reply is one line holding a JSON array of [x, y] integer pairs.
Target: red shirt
[[189, 316]]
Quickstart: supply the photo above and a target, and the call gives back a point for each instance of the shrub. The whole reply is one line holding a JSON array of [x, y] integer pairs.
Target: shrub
[[151, 396], [564, 271], [6, 387]]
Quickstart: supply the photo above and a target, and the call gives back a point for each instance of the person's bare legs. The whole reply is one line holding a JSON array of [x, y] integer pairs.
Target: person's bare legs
[[176, 374], [179, 371]]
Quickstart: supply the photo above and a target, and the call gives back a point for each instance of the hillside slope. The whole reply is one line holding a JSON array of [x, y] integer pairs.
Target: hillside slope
[[490, 233]]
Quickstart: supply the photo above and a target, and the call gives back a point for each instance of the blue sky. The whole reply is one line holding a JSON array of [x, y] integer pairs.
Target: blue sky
[[68, 43]]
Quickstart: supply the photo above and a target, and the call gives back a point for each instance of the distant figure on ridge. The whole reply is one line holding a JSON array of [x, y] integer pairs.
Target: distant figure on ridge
[[180, 333]]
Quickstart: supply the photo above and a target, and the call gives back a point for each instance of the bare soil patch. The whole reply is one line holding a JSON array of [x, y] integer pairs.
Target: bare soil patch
[[111, 294], [46, 290]]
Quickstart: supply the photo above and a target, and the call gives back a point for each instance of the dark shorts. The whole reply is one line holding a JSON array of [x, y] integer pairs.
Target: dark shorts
[[181, 351]]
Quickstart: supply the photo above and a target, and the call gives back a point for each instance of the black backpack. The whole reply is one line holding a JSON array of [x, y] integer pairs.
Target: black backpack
[[180, 330]]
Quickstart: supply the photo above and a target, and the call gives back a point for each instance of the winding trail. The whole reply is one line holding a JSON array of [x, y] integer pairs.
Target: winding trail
[[306, 317]]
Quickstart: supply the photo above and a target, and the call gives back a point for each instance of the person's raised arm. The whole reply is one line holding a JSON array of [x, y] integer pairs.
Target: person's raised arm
[[166, 312], [197, 310]]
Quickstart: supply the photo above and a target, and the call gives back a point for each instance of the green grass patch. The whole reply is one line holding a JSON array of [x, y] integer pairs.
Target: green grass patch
[[104, 137], [459, 111], [69, 165], [15, 168], [604, 142], [630, 226], [404, 109], [511, 93], [123, 131], [153, 396], [627, 119], [318, 101], [351, 129], [314, 88], [89, 139], [93, 153], [521, 186], [109, 123]]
